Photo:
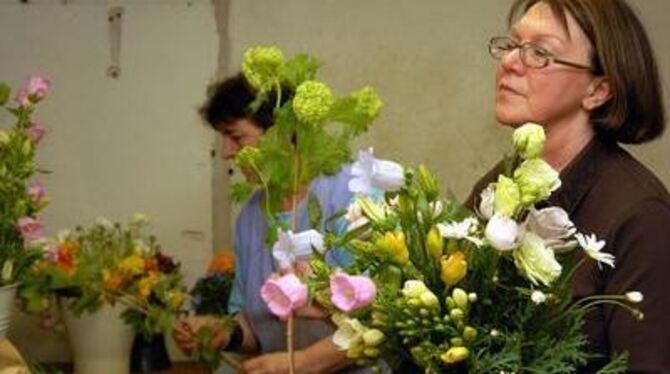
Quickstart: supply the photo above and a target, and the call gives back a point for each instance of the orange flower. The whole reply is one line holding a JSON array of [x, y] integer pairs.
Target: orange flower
[[112, 281], [67, 252], [223, 262], [150, 265]]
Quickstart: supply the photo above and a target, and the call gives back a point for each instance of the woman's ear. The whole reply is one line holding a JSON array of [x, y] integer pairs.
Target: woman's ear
[[598, 93]]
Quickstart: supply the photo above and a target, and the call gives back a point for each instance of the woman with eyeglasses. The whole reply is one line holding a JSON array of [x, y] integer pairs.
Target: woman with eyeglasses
[[585, 71]]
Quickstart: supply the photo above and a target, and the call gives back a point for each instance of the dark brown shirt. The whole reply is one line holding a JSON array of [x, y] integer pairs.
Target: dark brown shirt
[[609, 193]]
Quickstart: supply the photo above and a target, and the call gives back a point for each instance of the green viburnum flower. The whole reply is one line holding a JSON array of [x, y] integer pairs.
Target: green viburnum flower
[[248, 159], [312, 102], [536, 261], [367, 102], [536, 180], [261, 66], [529, 140], [507, 196]]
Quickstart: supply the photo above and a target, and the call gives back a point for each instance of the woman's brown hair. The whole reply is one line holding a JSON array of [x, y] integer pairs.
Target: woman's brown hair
[[622, 52]]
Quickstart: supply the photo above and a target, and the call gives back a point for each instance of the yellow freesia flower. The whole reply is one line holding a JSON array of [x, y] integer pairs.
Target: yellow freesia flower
[[393, 243], [453, 268]]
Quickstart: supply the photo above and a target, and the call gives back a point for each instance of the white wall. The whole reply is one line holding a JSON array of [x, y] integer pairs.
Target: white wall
[[118, 146]]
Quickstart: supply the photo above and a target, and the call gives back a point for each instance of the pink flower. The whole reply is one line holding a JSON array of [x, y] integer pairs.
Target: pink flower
[[36, 132], [351, 292], [51, 253], [22, 98], [283, 295], [36, 191], [37, 87], [30, 228]]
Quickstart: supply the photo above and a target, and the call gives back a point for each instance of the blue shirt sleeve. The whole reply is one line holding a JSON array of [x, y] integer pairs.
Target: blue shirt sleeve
[[236, 300]]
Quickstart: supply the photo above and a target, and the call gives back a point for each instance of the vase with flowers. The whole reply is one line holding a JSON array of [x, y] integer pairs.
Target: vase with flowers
[[110, 280]]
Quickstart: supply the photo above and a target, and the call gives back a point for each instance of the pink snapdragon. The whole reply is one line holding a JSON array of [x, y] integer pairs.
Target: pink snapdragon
[[284, 294], [30, 228], [36, 132], [36, 191], [35, 90], [351, 292]]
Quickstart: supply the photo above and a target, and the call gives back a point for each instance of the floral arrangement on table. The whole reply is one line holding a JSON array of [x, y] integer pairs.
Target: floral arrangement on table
[[439, 288], [109, 263], [310, 137], [21, 196], [209, 296]]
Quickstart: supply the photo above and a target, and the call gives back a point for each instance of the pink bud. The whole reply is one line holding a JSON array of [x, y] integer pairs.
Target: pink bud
[[36, 191], [36, 132], [283, 295], [30, 228], [350, 293], [22, 98], [37, 87]]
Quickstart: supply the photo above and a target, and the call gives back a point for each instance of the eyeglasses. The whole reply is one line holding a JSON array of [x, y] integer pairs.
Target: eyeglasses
[[531, 55]]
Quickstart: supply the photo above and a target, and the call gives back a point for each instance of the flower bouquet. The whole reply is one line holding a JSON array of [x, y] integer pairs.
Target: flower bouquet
[[209, 296], [311, 137], [21, 197], [437, 288]]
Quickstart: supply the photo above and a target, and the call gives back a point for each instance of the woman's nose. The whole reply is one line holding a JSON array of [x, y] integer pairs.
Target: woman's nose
[[228, 149]]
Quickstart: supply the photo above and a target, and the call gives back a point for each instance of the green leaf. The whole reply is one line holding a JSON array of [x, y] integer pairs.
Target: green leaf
[[314, 211], [241, 191], [4, 93], [299, 69]]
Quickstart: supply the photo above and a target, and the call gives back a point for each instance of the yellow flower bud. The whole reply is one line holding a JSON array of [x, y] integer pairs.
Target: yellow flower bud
[[373, 337], [453, 268], [394, 244], [434, 243], [455, 355], [469, 333], [460, 298]]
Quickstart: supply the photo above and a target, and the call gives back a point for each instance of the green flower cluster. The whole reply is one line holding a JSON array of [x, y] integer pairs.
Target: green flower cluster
[[261, 67], [312, 102], [368, 102]]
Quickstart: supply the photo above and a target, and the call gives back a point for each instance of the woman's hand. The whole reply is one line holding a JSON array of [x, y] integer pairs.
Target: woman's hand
[[187, 329], [275, 363]]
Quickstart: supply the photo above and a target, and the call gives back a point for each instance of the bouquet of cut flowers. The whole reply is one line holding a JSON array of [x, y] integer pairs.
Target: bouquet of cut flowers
[[436, 288], [109, 263], [209, 296], [21, 197]]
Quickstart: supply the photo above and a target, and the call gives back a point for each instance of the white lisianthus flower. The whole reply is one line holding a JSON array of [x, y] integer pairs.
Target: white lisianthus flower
[[140, 246], [554, 226], [355, 217], [461, 230], [502, 232], [291, 247], [370, 173], [634, 297], [529, 140], [536, 180], [592, 247], [349, 332], [538, 297], [414, 288], [536, 261], [487, 199]]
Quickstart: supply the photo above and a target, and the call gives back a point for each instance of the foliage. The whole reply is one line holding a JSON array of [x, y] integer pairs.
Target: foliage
[[21, 197], [109, 263]]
